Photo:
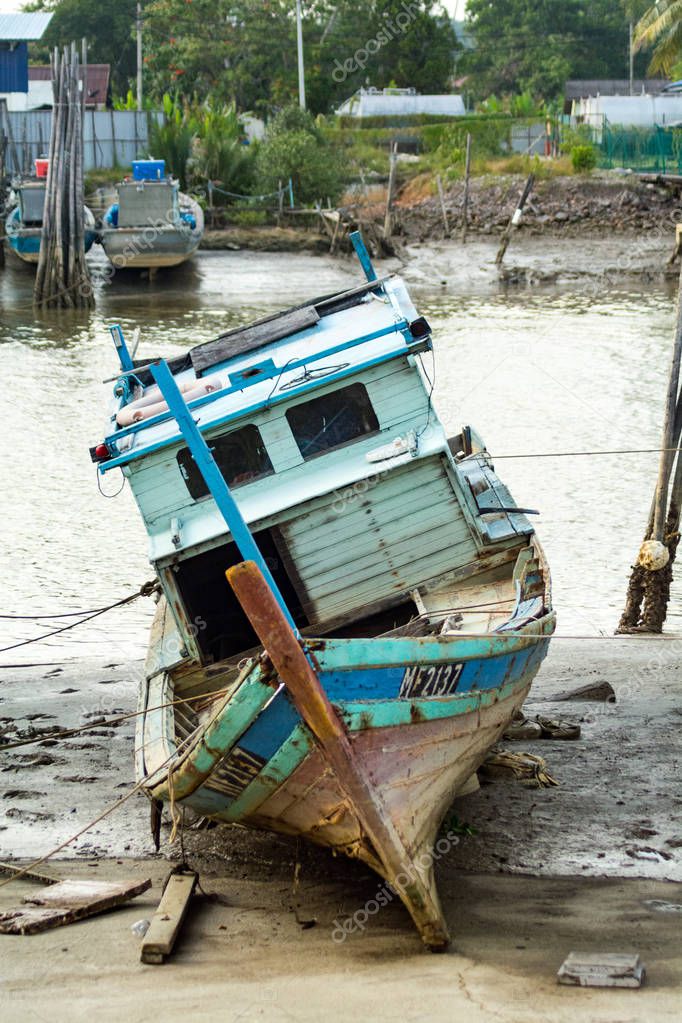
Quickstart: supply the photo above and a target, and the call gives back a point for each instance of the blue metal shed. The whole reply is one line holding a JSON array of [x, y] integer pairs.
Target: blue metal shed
[[16, 31]]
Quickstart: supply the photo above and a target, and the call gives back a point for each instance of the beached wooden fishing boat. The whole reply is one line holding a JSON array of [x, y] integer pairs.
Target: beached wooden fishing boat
[[153, 224], [24, 222], [386, 605]]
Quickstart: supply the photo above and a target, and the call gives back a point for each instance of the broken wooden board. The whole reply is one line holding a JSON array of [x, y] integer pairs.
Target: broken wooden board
[[602, 969], [167, 920], [68, 901], [12, 869]]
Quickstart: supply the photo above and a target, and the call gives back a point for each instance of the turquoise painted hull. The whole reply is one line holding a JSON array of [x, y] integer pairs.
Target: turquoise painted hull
[[25, 241]]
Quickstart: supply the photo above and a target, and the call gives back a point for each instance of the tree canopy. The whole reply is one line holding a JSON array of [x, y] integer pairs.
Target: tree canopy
[[535, 45], [245, 50], [108, 28]]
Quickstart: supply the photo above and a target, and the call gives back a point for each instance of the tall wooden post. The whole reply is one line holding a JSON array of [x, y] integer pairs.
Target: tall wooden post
[[62, 278], [651, 574], [467, 173], [515, 219], [388, 217], [443, 211]]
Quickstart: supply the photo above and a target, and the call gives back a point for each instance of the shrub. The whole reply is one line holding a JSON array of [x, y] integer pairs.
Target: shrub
[[583, 158], [296, 148], [171, 140]]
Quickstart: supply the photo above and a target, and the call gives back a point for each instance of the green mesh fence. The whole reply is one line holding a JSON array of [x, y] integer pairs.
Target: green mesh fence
[[656, 150]]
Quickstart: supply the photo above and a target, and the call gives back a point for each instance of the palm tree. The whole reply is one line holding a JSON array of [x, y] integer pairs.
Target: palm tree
[[662, 25]]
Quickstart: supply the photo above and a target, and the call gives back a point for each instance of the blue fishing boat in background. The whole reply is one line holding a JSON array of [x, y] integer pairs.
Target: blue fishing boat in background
[[153, 224], [352, 606], [24, 222]]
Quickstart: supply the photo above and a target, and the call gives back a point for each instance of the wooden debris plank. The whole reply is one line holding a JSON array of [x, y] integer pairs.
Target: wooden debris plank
[[11, 869], [167, 920], [68, 901]]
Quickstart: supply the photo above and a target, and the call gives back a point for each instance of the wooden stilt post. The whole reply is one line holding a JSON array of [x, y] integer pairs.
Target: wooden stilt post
[[443, 211], [467, 173], [388, 217], [515, 219], [62, 278], [652, 573]]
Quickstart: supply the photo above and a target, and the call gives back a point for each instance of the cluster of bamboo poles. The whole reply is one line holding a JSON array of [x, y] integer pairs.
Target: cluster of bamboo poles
[[648, 592], [62, 278]]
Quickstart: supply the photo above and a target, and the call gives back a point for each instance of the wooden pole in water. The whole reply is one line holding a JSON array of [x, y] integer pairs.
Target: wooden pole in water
[[465, 208], [443, 211], [388, 218], [651, 575], [515, 219], [62, 278]]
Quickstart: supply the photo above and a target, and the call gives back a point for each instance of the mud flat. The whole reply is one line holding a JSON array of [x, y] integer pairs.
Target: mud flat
[[590, 865]]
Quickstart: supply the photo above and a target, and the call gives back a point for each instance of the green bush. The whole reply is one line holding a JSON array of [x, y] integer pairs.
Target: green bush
[[583, 158], [295, 147]]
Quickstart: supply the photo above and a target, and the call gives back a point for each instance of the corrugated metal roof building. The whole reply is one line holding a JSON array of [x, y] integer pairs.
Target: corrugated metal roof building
[[16, 31], [400, 103]]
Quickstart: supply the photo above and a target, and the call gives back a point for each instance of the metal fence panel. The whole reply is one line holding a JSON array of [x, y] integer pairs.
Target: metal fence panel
[[111, 138]]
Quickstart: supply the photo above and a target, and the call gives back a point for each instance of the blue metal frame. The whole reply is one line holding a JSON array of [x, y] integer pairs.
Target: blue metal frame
[[121, 348], [248, 410], [363, 255], [227, 506]]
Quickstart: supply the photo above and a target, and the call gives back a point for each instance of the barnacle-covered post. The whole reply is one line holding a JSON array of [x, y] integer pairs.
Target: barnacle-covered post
[[648, 593]]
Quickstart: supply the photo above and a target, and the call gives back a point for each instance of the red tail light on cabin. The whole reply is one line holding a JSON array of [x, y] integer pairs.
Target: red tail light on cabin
[[100, 453]]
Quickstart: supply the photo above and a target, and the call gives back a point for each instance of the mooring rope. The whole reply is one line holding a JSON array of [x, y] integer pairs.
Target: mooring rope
[[145, 591], [110, 722]]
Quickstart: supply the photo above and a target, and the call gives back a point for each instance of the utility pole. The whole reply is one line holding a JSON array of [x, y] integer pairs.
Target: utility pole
[[632, 64], [299, 45], [138, 32]]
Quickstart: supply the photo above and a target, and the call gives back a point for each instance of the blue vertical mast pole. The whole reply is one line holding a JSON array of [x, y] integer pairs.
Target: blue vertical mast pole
[[241, 534]]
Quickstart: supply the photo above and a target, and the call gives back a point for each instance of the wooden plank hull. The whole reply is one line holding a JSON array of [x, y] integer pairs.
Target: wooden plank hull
[[258, 764]]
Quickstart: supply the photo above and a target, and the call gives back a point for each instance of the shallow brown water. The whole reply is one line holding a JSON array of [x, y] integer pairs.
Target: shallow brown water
[[551, 370]]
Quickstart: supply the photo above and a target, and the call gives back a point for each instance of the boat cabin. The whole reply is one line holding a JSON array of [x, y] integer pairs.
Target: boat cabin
[[31, 201], [321, 422]]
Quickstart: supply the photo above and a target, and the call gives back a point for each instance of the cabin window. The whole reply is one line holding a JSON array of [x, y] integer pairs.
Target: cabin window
[[332, 420], [241, 457]]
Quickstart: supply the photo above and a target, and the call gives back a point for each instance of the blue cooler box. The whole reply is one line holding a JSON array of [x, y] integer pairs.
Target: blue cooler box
[[149, 170]]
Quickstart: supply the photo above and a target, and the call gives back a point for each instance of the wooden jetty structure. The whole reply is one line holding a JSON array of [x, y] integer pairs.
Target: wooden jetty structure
[[353, 605]]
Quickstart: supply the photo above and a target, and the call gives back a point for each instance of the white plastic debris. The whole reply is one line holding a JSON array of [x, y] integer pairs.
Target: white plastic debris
[[602, 969], [140, 928]]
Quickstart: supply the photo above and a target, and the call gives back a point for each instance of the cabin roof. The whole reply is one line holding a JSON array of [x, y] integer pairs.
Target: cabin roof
[[327, 340], [276, 327]]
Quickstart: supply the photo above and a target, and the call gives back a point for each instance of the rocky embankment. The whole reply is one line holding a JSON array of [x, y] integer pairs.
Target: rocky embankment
[[568, 206]]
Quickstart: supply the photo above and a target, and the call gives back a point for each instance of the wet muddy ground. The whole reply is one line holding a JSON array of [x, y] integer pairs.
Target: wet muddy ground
[[286, 937], [617, 811]]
